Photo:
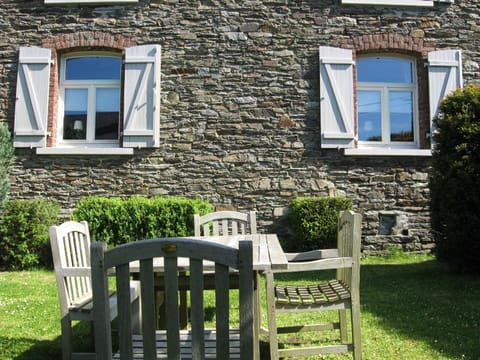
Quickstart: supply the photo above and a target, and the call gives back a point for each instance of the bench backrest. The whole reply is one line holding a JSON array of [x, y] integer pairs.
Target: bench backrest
[[170, 249]]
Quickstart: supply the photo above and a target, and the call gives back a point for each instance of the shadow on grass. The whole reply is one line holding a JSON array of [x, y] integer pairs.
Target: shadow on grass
[[52, 349], [421, 302], [39, 350], [425, 302]]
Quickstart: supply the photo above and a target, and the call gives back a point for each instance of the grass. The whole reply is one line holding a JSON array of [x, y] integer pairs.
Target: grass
[[412, 308]]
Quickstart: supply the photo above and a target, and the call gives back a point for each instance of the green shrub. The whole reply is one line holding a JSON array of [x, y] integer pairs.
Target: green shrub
[[313, 222], [119, 220], [455, 180], [24, 241], [6, 160]]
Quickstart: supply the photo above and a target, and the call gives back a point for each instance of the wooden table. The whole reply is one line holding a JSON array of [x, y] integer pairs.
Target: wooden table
[[267, 254]]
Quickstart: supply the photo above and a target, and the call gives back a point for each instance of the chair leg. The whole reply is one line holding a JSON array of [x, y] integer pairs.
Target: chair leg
[[137, 316], [342, 314], [257, 317], [356, 331], [66, 330], [272, 324]]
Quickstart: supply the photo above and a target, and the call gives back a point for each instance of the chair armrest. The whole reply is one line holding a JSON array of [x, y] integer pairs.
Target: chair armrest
[[75, 271], [312, 255], [322, 264]]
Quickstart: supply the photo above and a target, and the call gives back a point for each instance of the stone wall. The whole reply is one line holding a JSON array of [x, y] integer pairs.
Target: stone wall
[[240, 105]]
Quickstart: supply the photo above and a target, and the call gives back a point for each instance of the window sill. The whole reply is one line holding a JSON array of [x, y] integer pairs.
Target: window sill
[[387, 152], [88, 2], [84, 151], [421, 3]]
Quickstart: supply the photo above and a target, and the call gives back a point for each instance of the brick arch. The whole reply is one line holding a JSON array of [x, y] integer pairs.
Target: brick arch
[[88, 40], [412, 44]]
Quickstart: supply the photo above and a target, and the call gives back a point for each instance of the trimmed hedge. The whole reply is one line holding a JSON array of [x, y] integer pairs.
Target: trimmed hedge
[[455, 180], [24, 241], [121, 220], [314, 222]]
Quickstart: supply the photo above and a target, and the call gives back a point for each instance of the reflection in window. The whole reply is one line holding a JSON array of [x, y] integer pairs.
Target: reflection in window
[[385, 108], [91, 90], [75, 118]]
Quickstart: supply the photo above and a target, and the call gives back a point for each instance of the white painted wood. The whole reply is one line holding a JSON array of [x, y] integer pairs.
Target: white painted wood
[[142, 96], [89, 2], [171, 250], [336, 97], [70, 244], [444, 76], [31, 106], [425, 3]]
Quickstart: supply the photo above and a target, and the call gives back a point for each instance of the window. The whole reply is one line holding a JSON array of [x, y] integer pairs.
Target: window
[[92, 116], [385, 119], [90, 90], [386, 102]]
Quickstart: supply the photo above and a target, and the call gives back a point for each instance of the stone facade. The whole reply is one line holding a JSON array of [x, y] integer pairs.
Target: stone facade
[[240, 104]]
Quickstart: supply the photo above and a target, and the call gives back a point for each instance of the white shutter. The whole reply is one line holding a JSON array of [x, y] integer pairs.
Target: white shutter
[[31, 106], [141, 127], [444, 76], [336, 98]]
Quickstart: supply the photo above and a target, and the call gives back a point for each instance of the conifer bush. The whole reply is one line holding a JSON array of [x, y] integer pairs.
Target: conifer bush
[[6, 160], [455, 180]]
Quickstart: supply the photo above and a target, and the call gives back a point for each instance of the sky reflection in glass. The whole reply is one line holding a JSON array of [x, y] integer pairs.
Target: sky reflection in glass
[[93, 68], [385, 70]]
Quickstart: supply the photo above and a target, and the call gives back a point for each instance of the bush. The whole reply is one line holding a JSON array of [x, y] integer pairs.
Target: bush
[[117, 220], [455, 180], [24, 241], [314, 222], [6, 160]]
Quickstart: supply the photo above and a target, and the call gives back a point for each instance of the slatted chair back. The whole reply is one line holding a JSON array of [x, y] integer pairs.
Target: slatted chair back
[[70, 243], [225, 223], [339, 294], [149, 346]]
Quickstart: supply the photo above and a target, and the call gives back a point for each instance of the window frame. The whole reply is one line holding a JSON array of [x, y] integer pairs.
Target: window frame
[[91, 86], [385, 88]]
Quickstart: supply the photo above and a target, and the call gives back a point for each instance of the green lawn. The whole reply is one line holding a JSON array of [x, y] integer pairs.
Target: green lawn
[[412, 308]]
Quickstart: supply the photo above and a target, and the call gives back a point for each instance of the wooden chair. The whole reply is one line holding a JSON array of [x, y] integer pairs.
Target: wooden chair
[[225, 223], [338, 294], [173, 343], [215, 224], [70, 243]]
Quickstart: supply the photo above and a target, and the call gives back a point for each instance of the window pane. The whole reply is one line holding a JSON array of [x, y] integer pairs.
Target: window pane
[[93, 68], [384, 70], [107, 114], [75, 116], [369, 116], [401, 115]]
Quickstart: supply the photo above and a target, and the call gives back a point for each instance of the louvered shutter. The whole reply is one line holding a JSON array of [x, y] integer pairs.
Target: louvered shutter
[[336, 98], [141, 125], [31, 106], [444, 76]]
